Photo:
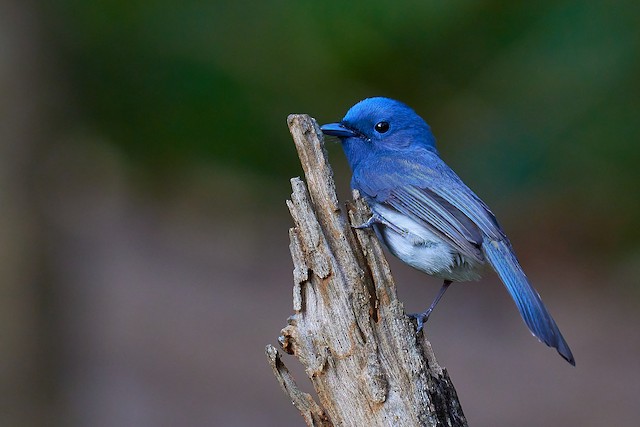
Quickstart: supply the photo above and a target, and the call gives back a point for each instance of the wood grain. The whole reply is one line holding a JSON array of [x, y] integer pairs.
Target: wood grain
[[349, 331]]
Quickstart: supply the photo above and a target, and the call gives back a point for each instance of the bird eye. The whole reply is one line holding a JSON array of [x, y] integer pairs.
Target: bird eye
[[381, 127]]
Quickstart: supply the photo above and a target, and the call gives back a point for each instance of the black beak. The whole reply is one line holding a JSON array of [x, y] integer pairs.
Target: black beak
[[337, 129]]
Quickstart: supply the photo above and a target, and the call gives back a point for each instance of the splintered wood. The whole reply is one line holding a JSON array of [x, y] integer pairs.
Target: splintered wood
[[349, 331]]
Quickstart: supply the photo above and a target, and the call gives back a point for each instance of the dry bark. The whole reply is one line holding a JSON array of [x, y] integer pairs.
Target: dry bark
[[361, 352]]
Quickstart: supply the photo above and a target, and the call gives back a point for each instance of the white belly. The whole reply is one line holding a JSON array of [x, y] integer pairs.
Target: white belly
[[420, 248]]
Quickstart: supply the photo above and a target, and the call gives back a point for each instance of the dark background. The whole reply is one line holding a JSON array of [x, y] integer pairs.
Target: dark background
[[145, 162]]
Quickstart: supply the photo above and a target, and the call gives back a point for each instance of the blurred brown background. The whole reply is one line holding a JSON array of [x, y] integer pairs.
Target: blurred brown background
[[145, 161]]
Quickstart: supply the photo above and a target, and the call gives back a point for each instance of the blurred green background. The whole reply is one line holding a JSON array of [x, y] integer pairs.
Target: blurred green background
[[145, 162]]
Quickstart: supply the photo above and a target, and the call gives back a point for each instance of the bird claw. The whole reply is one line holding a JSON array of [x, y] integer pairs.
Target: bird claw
[[375, 219], [421, 320], [379, 219]]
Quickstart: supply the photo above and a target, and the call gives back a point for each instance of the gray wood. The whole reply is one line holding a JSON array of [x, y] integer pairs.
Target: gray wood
[[349, 331]]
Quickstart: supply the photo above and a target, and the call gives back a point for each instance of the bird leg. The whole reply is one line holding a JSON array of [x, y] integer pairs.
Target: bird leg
[[422, 318], [379, 219]]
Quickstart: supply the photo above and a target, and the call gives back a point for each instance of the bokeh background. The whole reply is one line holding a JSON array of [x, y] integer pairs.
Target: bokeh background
[[144, 166]]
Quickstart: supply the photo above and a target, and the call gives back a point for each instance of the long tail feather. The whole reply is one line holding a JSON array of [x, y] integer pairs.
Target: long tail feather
[[532, 310]]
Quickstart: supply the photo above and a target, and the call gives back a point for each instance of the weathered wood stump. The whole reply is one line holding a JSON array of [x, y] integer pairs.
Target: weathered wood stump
[[361, 352]]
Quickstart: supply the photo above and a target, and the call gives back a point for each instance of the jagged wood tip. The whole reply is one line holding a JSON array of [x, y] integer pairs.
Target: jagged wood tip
[[349, 329]]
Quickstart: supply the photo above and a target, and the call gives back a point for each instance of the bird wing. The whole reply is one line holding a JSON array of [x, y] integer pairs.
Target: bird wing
[[439, 216], [426, 189]]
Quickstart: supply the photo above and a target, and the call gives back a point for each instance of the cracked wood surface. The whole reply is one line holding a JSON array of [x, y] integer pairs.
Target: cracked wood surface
[[349, 330]]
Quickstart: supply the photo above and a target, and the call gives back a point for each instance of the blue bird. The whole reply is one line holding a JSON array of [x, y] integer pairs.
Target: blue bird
[[425, 215]]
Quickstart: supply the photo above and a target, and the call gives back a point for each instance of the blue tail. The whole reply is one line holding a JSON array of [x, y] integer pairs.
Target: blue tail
[[532, 310]]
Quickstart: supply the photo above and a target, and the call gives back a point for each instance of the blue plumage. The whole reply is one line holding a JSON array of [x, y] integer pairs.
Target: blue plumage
[[425, 214]]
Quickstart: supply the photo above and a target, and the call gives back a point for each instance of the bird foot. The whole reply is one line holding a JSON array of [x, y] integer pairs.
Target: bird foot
[[375, 219], [379, 219], [421, 319]]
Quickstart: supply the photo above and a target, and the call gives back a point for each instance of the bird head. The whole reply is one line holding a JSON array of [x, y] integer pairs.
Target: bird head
[[378, 124]]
